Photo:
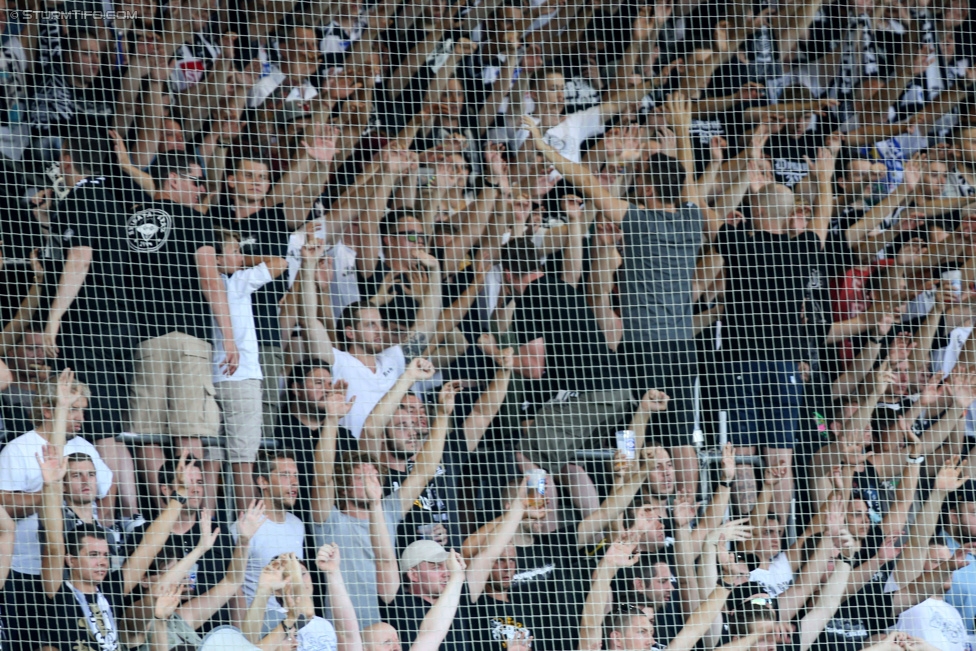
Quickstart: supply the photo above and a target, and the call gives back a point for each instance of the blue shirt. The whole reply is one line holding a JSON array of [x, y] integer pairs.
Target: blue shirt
[[962, 594]]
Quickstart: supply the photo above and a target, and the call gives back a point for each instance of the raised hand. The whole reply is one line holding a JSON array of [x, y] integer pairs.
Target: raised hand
[[166, 599], [960, 386], [66, 391], [654, 400], [208, 537], [336, 405], [456, 564], [951, 476], [685, 509], [250, 521], [420, 368], [273, 576], [53, 464], [623, 551], [445, 399], [728, 462], [327, 559]]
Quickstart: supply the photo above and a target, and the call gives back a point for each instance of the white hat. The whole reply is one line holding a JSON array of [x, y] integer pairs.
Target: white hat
[[226, 638], [420, 551]]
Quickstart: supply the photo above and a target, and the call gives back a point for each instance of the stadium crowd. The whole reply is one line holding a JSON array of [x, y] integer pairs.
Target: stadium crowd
[[565, 325]]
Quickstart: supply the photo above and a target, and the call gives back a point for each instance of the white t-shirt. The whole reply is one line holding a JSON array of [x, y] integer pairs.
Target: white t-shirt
[[368, 387], [946, 358], [777, 578], [19, 472], [936, 622], [318, 635], [240, 286], [270, 541], [569, 135]]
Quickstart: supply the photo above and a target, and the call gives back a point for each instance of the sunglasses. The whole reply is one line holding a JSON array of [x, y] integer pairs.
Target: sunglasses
[[413, 236], [190, 177], [759, 601]]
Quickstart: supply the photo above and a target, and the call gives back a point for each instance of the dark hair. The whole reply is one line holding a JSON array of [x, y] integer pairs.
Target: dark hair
[[666, 176], [74, 540], [401, 310], [347, 465], [520, 256], [78, 457], [741, 619], [249, 152], [305, 367], [77, 34], [393, 218], [264, 464], [170, 162], [89, 149], [620, 618], [967, 493], [224, 236], [350, 318]]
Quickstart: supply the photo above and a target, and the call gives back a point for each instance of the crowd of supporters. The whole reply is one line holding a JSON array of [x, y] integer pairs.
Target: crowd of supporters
[[333, 325]]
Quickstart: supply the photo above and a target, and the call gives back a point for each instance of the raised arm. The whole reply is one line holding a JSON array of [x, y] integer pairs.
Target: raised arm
[[374, 429], [323, 492], [53, 469], [621, 553], [429, 457], [430, 308], [158, 532], [579, 176], [479, 568], [387, 568], [916, 550], [628, 477], [316, 333], [198, 610], [343, 612]]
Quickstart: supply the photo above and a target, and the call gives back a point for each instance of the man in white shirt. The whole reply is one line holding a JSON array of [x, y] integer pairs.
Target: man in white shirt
[[933, 620], [276, 477], [20, 474], [367, 366]]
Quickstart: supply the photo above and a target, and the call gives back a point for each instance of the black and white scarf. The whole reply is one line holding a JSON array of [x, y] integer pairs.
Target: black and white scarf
[[101, 625]]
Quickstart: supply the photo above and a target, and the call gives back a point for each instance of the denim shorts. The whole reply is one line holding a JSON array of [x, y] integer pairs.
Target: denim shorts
[[763, 400]]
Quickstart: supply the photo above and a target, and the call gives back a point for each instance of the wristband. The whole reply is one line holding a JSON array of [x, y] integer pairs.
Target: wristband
[[725, 584], [725, 484], [919, 460], [179, 498]]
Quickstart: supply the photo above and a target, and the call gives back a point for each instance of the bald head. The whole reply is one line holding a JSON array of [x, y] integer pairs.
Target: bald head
[[380, 637], [774, 202]]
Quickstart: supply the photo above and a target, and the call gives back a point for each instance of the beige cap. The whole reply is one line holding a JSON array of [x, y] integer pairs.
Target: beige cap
[[420, 551]]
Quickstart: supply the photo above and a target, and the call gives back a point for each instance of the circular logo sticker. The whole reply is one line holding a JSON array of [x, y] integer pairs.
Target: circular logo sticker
[[148, 230]]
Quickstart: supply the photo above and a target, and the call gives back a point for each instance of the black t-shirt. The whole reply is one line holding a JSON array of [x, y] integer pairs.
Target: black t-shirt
[[163, 239], [210, 569], [577, 355], [766, 276], [302, 440], [56, 103], [407, 613], [492, 624], [437, 503], [265, 233], [94, 215], [72, 626], [552, 566]]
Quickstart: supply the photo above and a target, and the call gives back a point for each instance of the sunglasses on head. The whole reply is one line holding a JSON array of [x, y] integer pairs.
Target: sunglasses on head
[[763, 602], [190, 177]]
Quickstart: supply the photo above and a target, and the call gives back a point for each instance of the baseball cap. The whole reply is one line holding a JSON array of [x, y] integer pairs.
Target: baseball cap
[[420, 551]]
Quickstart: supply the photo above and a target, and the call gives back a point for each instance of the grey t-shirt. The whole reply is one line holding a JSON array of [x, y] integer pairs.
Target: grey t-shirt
[[660, 249], [357, 562]]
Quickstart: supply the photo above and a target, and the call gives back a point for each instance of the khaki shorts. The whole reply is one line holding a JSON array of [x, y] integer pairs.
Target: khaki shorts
[[172, 388], [240, 403]]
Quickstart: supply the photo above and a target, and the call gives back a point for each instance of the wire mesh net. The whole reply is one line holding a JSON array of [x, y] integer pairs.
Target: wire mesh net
[[475, 325]]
